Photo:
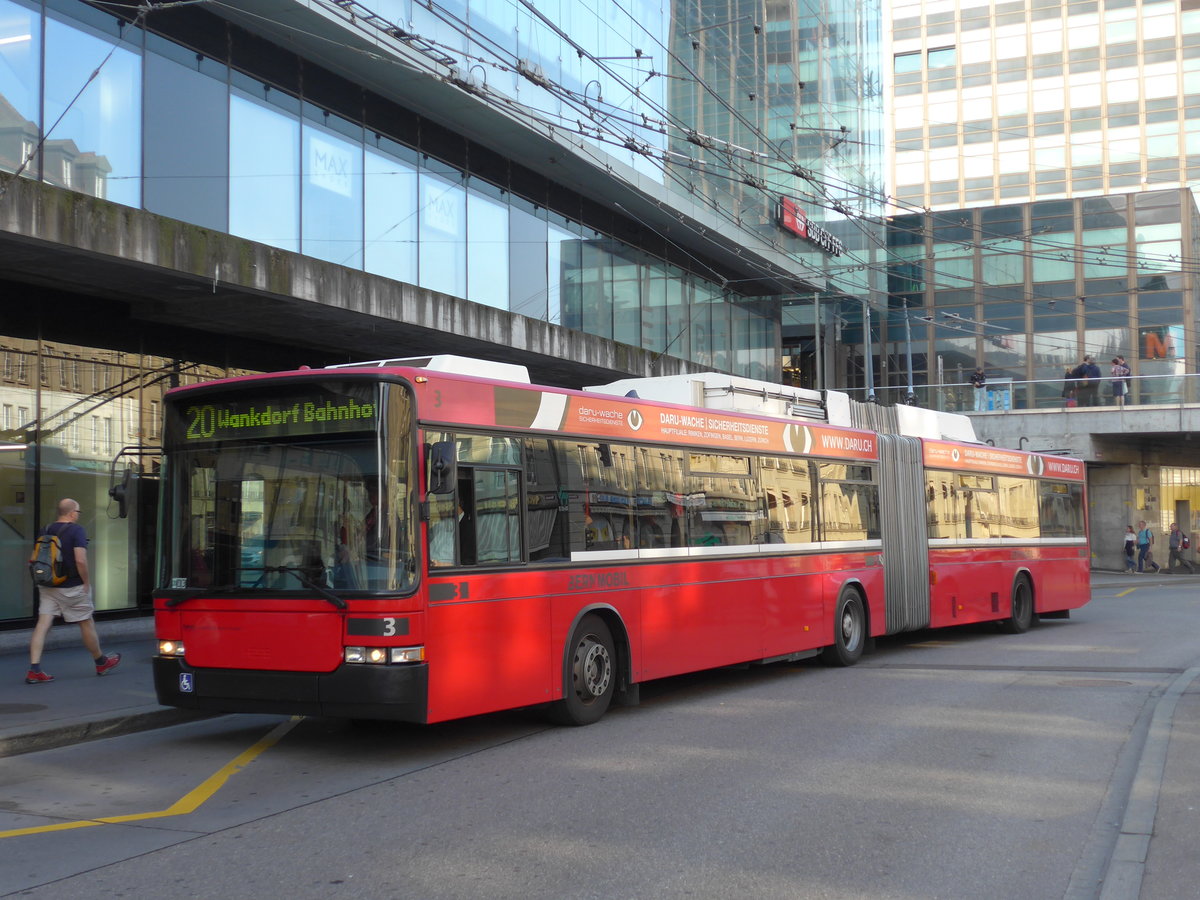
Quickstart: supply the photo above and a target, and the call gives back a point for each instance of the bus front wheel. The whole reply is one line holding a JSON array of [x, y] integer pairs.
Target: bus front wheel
[[849, 630], [590, 674]]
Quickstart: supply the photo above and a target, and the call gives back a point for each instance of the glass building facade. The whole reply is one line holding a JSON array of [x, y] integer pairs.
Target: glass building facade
[[1027, 290], [237, 144], [67, 412], [723, 108], [997, 103]]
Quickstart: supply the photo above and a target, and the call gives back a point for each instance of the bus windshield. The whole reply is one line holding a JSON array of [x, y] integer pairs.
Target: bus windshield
[[254, 503]]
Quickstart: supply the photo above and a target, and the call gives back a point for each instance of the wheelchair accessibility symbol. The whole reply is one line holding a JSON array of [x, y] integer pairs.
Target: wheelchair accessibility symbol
[[186, 685]]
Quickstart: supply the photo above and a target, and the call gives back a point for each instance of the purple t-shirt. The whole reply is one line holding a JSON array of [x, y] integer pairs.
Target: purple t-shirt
[[70, 536]]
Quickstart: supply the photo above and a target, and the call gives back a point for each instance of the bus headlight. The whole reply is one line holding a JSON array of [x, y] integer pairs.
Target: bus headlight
[[408, 654], [382, 655], [170, 648]]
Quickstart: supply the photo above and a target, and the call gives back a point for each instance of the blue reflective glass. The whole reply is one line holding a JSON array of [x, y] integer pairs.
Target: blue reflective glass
[[679, 342], [595, 289], [722, 329], [487, 251], [186, 156], [627, 297], [264, 183], [20, 65], [391, 217], [562, 262], [529, 259], [331, 192], [654, 308], [93, 96], [442, 216]]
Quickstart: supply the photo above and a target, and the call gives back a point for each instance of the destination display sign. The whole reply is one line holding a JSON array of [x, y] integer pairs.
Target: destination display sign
[[975, 458], [282, 412]]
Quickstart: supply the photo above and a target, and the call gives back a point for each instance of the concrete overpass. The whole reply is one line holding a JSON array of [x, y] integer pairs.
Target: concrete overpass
[[1135, 435], [1126, 449], [134, 280]]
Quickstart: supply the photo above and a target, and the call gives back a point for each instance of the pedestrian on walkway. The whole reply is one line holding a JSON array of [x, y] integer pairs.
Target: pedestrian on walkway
[[978, 380], [1177, 541], [1120, 382], [1145, 541], [1130, 550], [72, 599]]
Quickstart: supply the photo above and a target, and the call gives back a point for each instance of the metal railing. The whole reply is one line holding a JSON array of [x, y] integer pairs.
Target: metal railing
[[1003, 395]]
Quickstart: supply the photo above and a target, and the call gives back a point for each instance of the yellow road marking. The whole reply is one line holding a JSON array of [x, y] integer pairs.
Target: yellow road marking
[[189, 802], [1126, 593]]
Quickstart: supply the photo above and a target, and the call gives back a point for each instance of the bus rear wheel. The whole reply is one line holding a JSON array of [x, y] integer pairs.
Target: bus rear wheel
[[590, 678], [1022, 609], [849, 630]]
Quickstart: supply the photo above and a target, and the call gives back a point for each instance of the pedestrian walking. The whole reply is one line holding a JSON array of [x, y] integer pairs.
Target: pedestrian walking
[[1087, 382], [1145, 542], [1177, 542], [978, 382], [1130, 550], [1120, 382], [72, 599]]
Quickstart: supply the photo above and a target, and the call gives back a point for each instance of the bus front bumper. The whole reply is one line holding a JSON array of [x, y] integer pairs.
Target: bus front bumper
[[396, 693]]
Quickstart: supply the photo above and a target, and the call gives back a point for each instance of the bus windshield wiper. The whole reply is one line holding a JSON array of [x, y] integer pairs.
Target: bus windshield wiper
[[302, 576]]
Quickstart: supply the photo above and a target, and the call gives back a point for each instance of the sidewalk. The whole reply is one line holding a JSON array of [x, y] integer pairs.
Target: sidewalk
[[79, 706]]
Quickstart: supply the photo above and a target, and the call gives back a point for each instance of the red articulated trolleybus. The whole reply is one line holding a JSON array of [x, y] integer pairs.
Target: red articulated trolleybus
[[406, 540]]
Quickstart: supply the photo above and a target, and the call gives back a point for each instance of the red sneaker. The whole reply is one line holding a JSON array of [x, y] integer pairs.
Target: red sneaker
[[32, 677], [110, 662]]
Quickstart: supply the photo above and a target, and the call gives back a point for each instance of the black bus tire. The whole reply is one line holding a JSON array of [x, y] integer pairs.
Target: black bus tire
[[849, 630], [1022, 609], [590, 674]]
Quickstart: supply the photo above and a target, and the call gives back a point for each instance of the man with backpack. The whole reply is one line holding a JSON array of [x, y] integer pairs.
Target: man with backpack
[[1145, 541], [70, 597], [1177, 542]]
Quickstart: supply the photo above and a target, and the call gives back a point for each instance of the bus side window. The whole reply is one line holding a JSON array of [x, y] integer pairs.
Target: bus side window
[[443, 512], [495, 521]]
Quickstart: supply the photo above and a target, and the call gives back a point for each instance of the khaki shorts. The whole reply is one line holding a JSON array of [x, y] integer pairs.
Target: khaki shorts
[[74, 604]]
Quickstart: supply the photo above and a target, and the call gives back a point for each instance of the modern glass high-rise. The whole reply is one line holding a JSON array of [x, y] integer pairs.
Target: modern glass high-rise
[[996, 103], [1040, 169]]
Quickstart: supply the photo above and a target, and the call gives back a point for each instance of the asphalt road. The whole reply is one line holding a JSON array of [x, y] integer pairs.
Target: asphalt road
[[951, 764]]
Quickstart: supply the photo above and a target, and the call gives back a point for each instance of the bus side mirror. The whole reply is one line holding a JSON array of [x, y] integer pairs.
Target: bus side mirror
[[120, 493], [443, 467]]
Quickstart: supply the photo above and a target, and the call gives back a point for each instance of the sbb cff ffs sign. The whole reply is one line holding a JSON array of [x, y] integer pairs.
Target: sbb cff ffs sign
[[792, 218]]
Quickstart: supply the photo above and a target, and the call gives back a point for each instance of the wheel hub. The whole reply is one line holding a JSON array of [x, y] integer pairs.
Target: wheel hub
[[592, 670]]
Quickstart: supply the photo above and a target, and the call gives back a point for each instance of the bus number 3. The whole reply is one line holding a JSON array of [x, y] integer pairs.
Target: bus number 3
[[389, 627]]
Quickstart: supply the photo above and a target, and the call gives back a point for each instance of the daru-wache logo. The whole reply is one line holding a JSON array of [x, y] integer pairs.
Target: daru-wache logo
[[635, 420], [797, 439]]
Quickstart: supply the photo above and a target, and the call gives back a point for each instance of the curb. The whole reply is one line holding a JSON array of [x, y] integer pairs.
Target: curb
[[79, 731]]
